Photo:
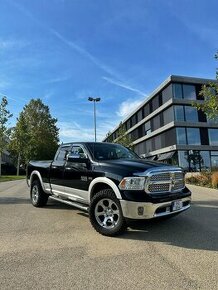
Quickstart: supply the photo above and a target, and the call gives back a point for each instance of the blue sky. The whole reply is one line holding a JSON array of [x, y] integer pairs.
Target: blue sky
[[64, 51]]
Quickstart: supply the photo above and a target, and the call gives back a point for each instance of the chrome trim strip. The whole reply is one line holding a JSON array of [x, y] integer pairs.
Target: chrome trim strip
[[130, 208], [172, 181], [80, 206]]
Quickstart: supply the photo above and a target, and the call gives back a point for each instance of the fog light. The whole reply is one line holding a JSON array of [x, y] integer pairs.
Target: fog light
[[140, 210]]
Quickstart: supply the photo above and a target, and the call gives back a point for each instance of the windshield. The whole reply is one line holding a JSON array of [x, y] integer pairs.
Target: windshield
[[104, 151]]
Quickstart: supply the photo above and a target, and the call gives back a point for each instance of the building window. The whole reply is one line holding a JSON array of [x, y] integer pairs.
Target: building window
[[134, 120], [213, 137], [148, 128], [146, 110], [157, 142], [191, 114], [205, 160], [184, 91], [193, 136], [177, 91], [214, 160], [167, 94], [128, 124], [155, 103], [168, 116], [189, 92], [181, 136], [179, 113], [156, 123], [183, 160], [139, 115]]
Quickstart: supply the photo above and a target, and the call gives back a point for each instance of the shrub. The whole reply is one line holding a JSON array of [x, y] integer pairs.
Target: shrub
[[214, 179]]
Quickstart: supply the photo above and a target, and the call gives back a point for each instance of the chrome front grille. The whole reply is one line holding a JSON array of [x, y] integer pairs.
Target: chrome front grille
[[164, 180]]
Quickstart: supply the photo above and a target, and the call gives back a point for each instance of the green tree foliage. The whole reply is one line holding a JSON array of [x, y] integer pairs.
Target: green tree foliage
[[4, 132], [210, 94], [123, 138], [36, 135]]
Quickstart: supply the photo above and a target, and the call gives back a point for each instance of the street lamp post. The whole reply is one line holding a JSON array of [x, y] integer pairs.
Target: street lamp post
[[94, 100]]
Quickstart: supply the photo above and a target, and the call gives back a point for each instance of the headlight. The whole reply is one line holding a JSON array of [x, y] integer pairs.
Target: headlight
[[132, 183]]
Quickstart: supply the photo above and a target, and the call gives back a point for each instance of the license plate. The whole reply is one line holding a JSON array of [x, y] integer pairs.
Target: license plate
[[176, 205]]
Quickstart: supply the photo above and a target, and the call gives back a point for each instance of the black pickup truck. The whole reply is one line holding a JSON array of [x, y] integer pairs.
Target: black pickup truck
[[109, 181]]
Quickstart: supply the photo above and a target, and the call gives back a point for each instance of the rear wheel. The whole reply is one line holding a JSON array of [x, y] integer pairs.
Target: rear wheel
[[105, 213], [38, 197]]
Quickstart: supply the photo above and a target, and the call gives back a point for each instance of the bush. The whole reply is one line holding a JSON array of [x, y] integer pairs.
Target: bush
[[202, 179], [214, 179]]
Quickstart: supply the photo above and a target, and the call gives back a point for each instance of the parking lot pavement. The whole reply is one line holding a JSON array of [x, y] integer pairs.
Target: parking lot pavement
[[55, 247]]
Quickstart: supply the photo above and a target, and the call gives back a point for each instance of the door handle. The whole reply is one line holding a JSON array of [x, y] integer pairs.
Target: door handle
[[68, 168], [54, 167]]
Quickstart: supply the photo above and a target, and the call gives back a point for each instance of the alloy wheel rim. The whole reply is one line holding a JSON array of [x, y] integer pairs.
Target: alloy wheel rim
[[107, 213], [35, 194]]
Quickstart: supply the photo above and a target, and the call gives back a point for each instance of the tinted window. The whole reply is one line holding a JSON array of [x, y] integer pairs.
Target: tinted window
[[167, 94], [146, 110], [168, 115], [193, 136], [62, 154], [179, 113], [183, 159], [189, 92], [181, 136], [156, 123], [155, 103], [147, 128], [177, 91], [139, 115], [213, 136], [110, 151], [78, 150], [191, 114]]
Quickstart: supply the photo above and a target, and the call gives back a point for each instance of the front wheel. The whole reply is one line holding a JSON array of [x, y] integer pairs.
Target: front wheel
[[38, 197], [105, 213]]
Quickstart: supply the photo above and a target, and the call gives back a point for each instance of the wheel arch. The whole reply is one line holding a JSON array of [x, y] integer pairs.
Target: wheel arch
[[100, 183], [35, 175]]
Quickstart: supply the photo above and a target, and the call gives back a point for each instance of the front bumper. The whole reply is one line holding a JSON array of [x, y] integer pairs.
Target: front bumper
[[148, 210]]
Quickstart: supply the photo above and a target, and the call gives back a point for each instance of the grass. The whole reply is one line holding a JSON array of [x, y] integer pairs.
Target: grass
[[11, 177]]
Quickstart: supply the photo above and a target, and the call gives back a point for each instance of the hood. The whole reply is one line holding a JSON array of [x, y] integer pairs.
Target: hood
[[129, 166]]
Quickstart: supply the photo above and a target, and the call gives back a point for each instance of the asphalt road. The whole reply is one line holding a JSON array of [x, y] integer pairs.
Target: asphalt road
[[56, 248]]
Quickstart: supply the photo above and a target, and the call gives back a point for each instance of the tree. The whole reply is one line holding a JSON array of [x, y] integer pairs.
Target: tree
[[36, 135], [5, 115], [123, 138], [210, 93]]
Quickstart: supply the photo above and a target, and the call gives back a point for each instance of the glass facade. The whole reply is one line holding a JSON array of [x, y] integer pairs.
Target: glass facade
[[185, 113], [213, 137], [184, 91], [191, 114], [181, 136], [179, 113], [168, 115], [193, 136], [177, 91], [189, 92], [214, 160], [167, 94]]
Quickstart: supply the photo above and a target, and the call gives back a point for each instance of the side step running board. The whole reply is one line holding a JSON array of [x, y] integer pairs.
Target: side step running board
[[75, 204]]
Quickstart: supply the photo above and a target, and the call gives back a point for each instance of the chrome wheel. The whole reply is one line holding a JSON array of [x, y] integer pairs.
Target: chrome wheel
[[35, 194], [107, 213]]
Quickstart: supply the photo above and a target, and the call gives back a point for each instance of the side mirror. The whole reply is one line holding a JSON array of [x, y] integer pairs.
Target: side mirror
[[76, 157]]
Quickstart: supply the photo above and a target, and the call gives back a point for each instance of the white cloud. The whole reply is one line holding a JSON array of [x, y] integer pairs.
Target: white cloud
[[12, 43], [123, 85], [128, 106]]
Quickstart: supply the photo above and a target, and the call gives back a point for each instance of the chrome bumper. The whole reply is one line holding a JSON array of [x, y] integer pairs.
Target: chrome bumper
[[147, 210]]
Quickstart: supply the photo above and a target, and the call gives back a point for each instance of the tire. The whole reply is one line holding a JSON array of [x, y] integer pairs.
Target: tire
[[106, 215], [38, 197]]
